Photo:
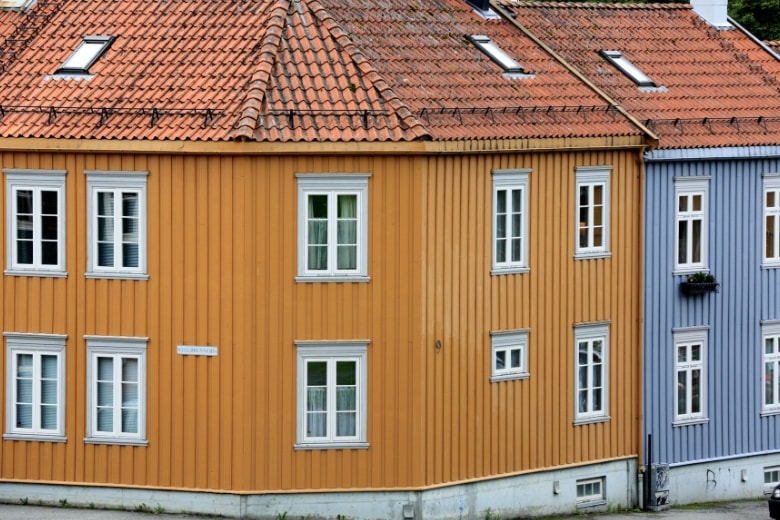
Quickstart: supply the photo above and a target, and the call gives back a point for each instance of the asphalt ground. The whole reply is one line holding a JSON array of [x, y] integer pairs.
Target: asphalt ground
[[750, 509]]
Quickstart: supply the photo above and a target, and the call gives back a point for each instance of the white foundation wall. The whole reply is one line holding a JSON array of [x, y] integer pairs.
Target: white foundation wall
[[527, 495], [720, 480]]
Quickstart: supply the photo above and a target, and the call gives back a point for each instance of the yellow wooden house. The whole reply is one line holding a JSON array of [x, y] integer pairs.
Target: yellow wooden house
[[377, 260]]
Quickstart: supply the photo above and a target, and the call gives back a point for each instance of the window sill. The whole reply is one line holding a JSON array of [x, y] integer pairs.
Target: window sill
[[509, 377], [770, 413], [117, 276], [497, 271], [331, 279], [36, 437], [36, 273], [772, 265], [585, 504], [332, 446], [592, 420], [592, 255], [690, 422], [116, 440], [687, 271]]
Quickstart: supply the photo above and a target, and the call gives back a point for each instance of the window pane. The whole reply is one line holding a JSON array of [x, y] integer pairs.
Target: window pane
[[48, 391], [500, 359], [696, 241], [515, 358], [318, 206], [24, 203], [517, 250], [316, 424], [770, 237], [24, 416], [682, 205], [347, 207], [105, 204], [501, 251], [769, 345], [24, 226], [105, 369], [49, 201], [769, 383], [584, 196], [695, 391], [346, 398], [49, 417], [129, 420], [130, 255], [316, 373], [346, 373], [682, 354], [347, 257], [682, 242], [105, 419], [501, 201], [24, 365], [49, 253], [770, 199], [598, 195], [346, 423], [682, 399], [49, 227], [697, 202], [695, 352], [517, 198]]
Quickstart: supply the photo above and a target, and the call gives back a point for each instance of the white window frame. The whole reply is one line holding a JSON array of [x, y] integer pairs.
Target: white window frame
[[332, 352], [625, 66], [770, 331], [117, 348], [589, 333], [592, 498], [689, 187], [333, 185], [36, 345], [589, 177], [686, 338], [118, 182], [770, 259], [508, 181], [773, 472], [35, 181], [504, 342], [86, 54]]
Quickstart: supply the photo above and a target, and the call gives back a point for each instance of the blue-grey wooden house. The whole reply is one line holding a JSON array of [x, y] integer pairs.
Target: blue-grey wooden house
[[711, 93]]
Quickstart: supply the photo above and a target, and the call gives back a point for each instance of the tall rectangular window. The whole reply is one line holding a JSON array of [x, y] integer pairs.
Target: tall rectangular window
[[116, 391], [332, 394], [116, 224], [771, 220], [332, 227], [690, 351], [510, 221], [35, 220], [35, 386], [691, 218], [591, 343], [592, 211], [770, 336]]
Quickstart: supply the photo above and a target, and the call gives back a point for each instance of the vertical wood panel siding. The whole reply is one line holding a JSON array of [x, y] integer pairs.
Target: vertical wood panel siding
[[222, 243], [747, 295], [477, 428]]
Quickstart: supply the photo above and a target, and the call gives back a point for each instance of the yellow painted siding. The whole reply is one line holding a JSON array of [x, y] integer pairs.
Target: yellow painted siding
[[222, 245]]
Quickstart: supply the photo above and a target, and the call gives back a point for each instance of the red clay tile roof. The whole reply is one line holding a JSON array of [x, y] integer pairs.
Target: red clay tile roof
[[720, 88], [284, 70], [422, 51]]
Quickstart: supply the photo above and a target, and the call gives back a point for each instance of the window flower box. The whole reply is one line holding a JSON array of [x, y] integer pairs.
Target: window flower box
[[698, 284]]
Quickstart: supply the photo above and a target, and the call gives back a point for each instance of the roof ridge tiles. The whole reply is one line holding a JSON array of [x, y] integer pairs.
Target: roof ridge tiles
[[250, 110], [405, 115], [599, 5]]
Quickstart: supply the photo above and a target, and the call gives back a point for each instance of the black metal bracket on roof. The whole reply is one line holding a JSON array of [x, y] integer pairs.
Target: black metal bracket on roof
[[761, 121], [155, 118], [706, 122], [52, 115], [734, 122], [208, 117], [679, 125], [105, 113]]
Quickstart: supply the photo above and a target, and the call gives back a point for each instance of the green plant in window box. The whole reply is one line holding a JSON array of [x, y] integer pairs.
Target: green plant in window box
[[699, 283]]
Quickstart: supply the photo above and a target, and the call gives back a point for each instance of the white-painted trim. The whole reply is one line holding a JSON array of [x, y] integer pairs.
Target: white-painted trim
[[592, 176], [510, 180]]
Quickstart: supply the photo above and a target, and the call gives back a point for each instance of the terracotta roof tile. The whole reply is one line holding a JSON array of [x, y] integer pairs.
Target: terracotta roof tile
[[719, 87], [421, 50]]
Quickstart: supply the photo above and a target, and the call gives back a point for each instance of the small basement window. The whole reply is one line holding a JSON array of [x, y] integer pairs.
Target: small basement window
[[86, 54], [496, 53], [617, 59]]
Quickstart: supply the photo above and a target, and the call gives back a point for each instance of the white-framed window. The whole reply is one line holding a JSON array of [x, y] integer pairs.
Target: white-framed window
[[332, 227], [116, 225], [116, 390], [771, 213], [770, 335], [591, 490], [510, 221], [509, 355], [771, 478], [35, 222], [591, 354], [690, 381], [691, 215], [332, 393], [592, 211], [35, 386]]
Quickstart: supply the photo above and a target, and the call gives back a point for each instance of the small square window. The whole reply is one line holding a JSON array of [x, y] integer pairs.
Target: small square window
[[509, 355], [625, 66], [495, 53]]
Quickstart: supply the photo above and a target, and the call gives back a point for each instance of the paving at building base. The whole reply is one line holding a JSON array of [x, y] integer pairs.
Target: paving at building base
[[748, 509]]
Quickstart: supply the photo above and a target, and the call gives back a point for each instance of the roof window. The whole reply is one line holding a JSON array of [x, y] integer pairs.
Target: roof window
[[86, 54], [617, 59], [496, 54]]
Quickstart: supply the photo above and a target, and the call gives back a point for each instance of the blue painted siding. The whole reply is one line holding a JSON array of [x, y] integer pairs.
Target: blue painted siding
[[748, 294]]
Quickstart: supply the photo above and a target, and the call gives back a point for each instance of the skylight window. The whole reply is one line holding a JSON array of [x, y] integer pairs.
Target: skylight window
[[86, 54], [496, 53], [617, 59]]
